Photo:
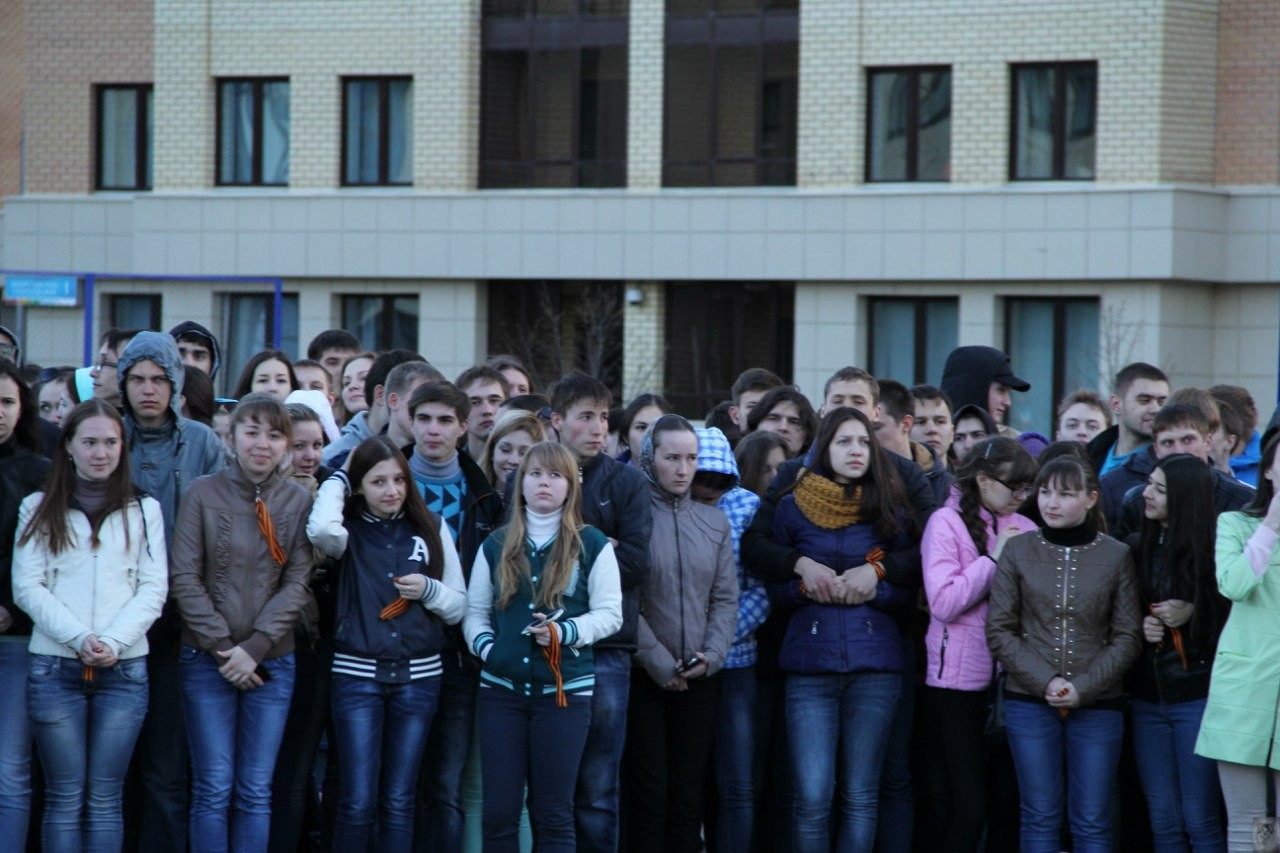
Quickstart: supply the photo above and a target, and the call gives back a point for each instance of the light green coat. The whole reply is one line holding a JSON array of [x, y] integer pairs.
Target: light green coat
[[1243, 714]]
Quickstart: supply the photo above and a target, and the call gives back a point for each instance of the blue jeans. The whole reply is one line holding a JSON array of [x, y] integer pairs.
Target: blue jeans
[[85, 732], [1088, 742], [235, 735], [15, 745], [381, 731], [896, 821], [440, 820], [839, 719], [530, 738], [1182, 789], [596, 800], [735, 759]]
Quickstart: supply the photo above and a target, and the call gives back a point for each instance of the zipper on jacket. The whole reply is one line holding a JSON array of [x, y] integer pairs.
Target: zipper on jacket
[[942, 652], [813, 629], [1066, 587]]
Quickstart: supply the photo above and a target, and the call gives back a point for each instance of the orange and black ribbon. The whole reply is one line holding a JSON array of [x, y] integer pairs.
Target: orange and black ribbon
[[268, 530], [552, 654]]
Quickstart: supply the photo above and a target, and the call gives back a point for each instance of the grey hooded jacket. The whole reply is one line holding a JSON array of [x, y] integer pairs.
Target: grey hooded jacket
[[166, 459]]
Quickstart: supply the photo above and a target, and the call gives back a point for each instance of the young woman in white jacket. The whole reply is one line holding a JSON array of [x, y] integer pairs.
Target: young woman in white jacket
[[90, 569]]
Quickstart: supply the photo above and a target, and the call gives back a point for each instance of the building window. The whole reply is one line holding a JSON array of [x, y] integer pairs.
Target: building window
[[253, 132], [382, 322], [1055, 111], [377, 131], [124, 137], [556, 327], [731, 93], [909, 124], [1053, 344], [553, 102], [909, 339], [248, 320], [134, 311], [717, 329]]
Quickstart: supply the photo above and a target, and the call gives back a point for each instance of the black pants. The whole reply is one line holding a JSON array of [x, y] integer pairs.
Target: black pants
[[957, 767], [667, 756]]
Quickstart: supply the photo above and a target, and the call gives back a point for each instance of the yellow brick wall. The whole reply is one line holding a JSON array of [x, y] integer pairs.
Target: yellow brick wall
[[315, 43], [645, 51], [643, 340], [12, 77], [1134, 43]]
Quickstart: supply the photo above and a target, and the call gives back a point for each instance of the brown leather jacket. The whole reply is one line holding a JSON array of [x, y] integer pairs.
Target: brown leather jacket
[[228, 589], [1073, 612]]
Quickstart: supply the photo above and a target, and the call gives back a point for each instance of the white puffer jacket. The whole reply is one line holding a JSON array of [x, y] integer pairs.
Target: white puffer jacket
[[112, 591]]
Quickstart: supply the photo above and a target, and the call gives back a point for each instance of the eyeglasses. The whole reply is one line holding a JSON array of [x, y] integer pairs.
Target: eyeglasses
[[103, 364], [1020, 493]]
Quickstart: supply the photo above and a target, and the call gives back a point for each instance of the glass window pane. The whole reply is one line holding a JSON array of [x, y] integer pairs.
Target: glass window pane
[[779, 108], [504, 116], [686, 131], [737, 82], [275, 133], [246, 333], [362, 315], [130, 311], [602, 113], [1031, 343], [150, 100], [1082, 368], [934, 127], [893, 353], [235, 165], [1033, 154], [887, 151], [400, 132], [1081, 83], [942, 335], [289, 323], [118, 156], [404, 325], [553, 92], [362, 131]]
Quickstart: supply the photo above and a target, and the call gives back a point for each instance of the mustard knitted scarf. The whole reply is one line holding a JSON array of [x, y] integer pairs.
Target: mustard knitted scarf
[[824, 502]]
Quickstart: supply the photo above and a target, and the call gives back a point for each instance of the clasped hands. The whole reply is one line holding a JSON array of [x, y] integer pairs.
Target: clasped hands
[[825, 586]]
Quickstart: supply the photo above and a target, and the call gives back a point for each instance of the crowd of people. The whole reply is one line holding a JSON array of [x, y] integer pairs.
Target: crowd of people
[[359, 607]]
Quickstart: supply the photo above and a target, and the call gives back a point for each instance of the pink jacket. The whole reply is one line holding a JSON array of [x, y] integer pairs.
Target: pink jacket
[[956, 583]]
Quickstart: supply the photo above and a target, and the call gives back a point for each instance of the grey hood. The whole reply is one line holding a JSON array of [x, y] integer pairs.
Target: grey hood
[[163, 350]]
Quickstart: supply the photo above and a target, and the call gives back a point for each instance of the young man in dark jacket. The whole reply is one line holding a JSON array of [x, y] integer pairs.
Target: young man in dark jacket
[[615, 499], [981, 376], [167, 453], [457, 490]]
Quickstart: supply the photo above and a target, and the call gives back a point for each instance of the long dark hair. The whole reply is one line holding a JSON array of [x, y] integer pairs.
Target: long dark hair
[[884, 498], [50, 518], [244, 385], [752, 453], [633, 408], [26, 432], [424, 522], [786, 394], [996, 456], [1188, 542], [1266, 489]]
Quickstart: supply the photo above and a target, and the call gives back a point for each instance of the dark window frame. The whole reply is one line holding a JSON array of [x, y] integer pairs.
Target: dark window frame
[[384, 338], [913, 73], [1059, 354], [384, 129], [142, 140], [229, 374], [716, 31], [1059, 117], [255, 179], [920, 332], [155, 301], [530, 35]]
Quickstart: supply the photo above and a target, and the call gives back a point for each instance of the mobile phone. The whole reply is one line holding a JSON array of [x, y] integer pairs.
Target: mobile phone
[[687, 665]]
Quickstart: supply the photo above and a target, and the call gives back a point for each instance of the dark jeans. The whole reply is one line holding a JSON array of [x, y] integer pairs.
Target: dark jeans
[[838, 726], [896, 820], [530, 739], [85, 732], [957, 768], [1183, 796], [439, 821], [381, 732], [1087, 743], [15, 745], [163, 762], [235, 736], [293, 785], [597, 797], [734, 759], [668, 750]]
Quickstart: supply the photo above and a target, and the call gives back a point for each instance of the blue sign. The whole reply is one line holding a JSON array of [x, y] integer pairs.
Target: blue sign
[[48, 291]]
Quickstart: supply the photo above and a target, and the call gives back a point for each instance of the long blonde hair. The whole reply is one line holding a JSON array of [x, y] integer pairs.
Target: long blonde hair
[[512, 421], [513, 566]]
